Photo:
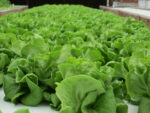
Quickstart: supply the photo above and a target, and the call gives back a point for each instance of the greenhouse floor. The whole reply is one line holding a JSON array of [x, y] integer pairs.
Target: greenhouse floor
[[139, 14], [142, 12]]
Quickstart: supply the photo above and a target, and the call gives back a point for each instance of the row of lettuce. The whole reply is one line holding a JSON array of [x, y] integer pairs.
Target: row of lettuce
[[77, 59]]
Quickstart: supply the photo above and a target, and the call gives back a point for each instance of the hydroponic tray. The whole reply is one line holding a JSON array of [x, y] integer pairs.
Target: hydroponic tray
[[13, 9]]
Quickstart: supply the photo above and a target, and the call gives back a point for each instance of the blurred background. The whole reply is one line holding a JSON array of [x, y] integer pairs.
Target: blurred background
[[32, 3]]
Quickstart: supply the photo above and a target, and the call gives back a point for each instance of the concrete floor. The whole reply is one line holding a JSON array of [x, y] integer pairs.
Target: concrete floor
[[141, 12], [135, 12]]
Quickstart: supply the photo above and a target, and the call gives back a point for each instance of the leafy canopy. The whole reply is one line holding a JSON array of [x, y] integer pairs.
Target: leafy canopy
[[78, 59]]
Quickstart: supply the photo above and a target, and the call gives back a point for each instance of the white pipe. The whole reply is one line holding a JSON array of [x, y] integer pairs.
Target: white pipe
[[107, 3]]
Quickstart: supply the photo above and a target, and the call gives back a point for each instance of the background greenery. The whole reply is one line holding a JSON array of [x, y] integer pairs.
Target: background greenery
[[4, 3]]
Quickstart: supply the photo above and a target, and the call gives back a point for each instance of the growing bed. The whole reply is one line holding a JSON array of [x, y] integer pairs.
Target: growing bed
[[75, 59]]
